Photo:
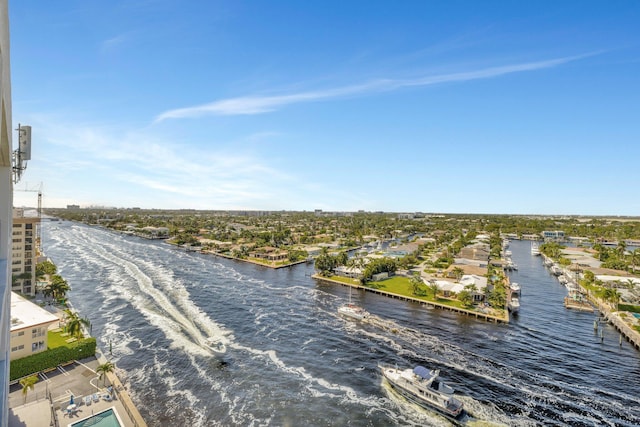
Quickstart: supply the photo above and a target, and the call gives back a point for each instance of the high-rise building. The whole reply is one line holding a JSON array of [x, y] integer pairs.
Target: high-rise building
[[6, 204], [24, 253]]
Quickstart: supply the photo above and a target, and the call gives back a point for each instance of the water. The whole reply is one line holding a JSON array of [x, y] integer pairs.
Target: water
[[291, 360]]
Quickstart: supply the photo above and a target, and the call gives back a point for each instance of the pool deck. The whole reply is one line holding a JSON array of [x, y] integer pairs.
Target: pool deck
[[52, 394]]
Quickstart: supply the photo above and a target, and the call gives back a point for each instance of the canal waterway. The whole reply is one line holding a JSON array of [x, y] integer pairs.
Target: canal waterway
[[291, 360]]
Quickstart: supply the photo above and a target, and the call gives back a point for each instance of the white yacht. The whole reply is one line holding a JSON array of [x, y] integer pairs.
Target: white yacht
[[513, 298], [424, 388], [535, 249]]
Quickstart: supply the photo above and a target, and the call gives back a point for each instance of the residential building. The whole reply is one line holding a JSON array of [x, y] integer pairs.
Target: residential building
[[270, 254], [24, 253], [555, 235], [29, 326], [6, 204], [476, 251]]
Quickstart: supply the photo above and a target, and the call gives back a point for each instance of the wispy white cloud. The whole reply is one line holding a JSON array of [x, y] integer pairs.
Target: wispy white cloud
[[263, 104], [113, 42], [115, 167]]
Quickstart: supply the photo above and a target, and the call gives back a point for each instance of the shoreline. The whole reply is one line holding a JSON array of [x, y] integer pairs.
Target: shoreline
[[250, 261], [483, 316]]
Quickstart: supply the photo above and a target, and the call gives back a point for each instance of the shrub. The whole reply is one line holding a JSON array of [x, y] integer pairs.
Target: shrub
[[51, 358]]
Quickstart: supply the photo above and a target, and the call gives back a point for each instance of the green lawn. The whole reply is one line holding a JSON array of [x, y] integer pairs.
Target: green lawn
[[345, 280], [400, 285], [54, 339]]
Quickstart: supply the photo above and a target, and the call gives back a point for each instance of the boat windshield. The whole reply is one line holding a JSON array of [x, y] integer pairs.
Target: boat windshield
[[422, 372]]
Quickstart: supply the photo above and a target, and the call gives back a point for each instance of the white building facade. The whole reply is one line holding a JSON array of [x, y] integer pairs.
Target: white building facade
[[6, 204]]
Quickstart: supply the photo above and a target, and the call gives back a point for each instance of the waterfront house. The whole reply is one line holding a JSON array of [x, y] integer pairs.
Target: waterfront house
[[476, 251], [269, 253], [555, 235], [352, 272], [155, 232]]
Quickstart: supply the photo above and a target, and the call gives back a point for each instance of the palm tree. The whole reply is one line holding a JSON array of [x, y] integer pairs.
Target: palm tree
[[57, 288], [104, 369], [28, 383], [615, 298], [74, 323], [621, 249], [457, 272], [635, 259]]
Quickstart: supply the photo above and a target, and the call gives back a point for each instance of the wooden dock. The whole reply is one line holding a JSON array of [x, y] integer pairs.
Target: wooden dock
[[478, 315], [630, 334], [582, 305]]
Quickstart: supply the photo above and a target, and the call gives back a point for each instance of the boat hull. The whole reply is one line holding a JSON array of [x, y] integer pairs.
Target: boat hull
[[353, 312]]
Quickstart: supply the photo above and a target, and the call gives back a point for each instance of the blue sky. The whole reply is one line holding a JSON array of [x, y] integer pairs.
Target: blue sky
[[453, 107]]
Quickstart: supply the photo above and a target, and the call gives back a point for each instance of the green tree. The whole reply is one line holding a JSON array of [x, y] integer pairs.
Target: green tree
[[458, 272], [465, 297], [621, 249], [434, 288], [635, 259], [415, 284], [342, 258], [45, 268], [103, 369], [57, 287], [74, 323], [498, 297], [27, 384], [325, 264]]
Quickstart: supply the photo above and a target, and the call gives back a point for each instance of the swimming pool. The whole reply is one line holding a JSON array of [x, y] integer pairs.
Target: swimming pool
[[636, 315], [108, 418]]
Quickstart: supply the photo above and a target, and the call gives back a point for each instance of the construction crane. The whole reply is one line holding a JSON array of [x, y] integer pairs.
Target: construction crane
[[36, 189]]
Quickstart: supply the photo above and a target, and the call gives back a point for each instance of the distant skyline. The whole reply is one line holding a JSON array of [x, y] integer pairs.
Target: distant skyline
[[453, 107]]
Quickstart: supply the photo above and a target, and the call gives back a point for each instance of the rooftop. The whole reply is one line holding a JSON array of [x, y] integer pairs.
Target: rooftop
[[25, 314]]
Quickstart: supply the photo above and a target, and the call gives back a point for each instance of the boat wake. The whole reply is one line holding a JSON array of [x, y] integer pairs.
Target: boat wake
[[161, 298]]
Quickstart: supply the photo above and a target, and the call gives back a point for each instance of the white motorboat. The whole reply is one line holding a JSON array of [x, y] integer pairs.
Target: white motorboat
[[424, 388], [215, 344], [513, 305], [513, 298]]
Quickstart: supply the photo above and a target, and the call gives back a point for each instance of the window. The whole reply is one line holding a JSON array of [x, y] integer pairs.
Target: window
[[21, 333], [28, 226]]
